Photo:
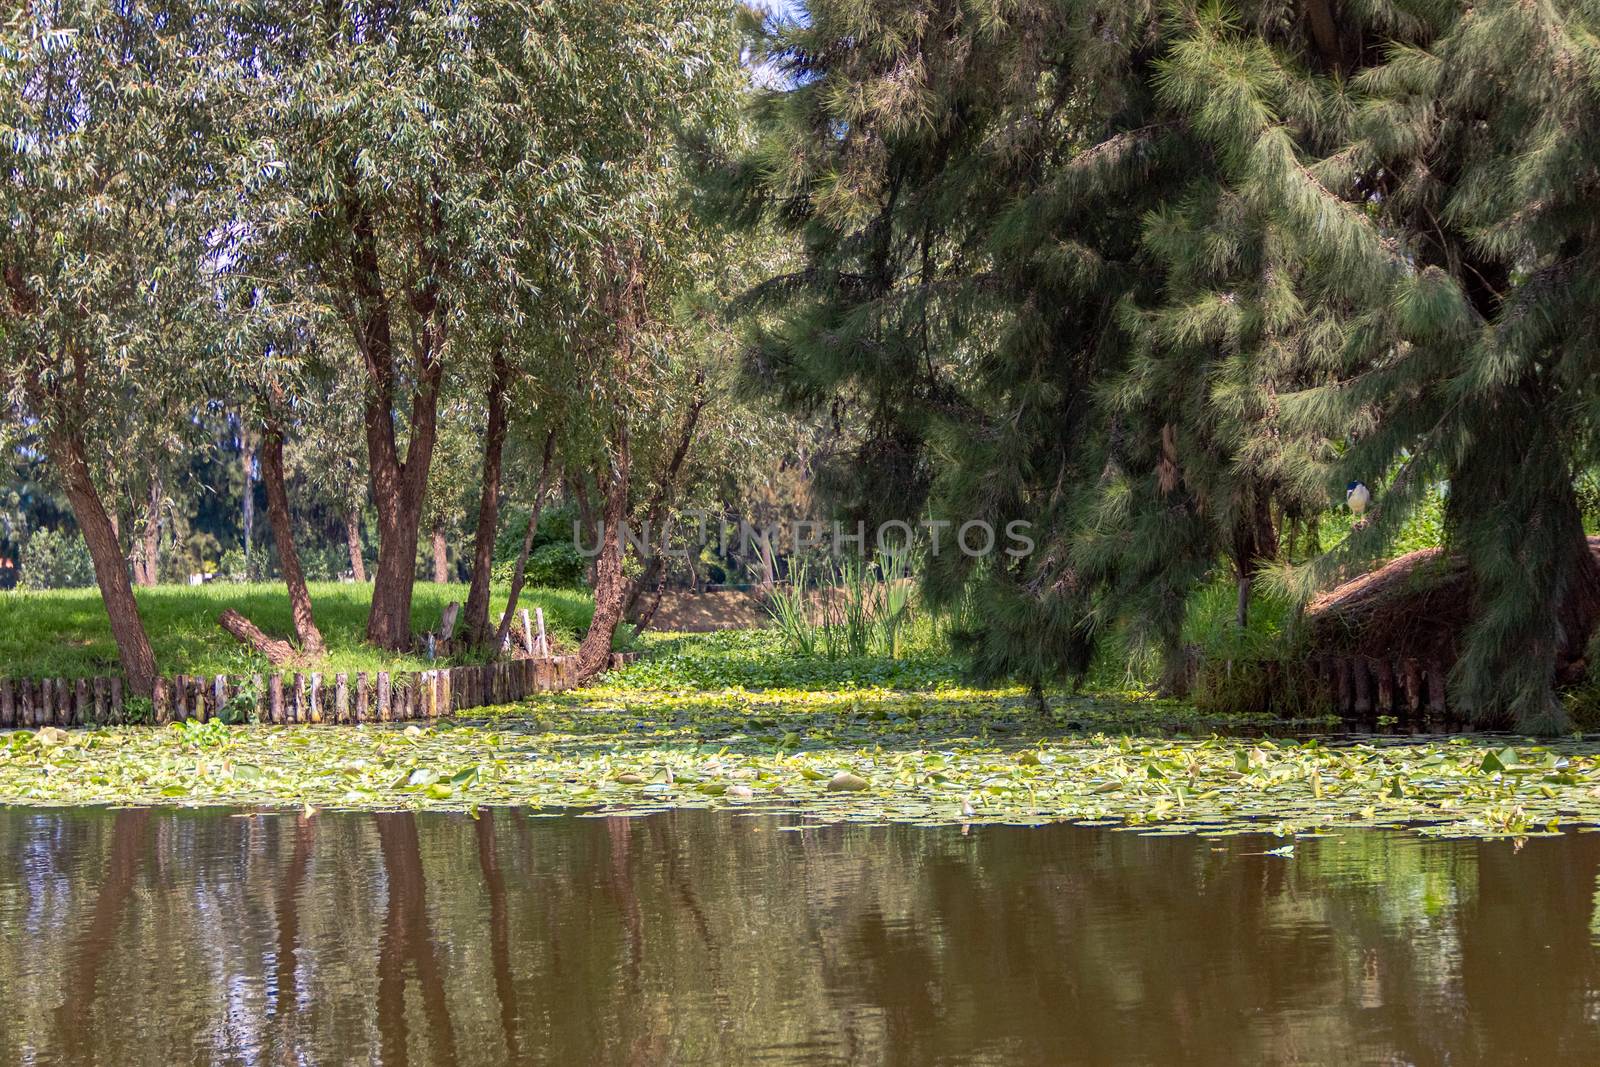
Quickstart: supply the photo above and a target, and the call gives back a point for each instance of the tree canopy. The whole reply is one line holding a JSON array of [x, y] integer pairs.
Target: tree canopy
[[1161, 279]]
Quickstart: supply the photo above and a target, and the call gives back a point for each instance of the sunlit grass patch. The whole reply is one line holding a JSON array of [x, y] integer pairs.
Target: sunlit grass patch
[[65, 633]]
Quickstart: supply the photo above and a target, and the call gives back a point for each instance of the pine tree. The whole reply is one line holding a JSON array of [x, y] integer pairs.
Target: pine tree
[[1159, 281]]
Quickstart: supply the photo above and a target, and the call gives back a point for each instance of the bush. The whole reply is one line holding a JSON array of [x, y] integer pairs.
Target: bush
[[55, 559], [554, 561]]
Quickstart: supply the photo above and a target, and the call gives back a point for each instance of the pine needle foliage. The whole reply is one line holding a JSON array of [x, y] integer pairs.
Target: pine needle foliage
[[1160, 279]]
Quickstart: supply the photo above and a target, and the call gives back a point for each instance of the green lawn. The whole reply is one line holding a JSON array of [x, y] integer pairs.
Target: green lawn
[[65, 633]]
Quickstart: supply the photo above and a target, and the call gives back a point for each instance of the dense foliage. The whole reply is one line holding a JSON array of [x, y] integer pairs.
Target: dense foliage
[[355, 269], [55, 559], [1161, 279]]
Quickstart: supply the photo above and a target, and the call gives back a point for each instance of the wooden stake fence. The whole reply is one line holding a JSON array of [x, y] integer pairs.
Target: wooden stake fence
[[291, 698], [1361, 685]]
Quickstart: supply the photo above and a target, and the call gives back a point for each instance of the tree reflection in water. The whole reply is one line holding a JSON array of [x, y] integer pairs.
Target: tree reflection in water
[[139, 937]]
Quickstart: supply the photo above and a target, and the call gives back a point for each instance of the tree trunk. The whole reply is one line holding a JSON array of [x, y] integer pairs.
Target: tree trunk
[[580, 492], [649, 613], [399, 523], [352, 537], [1255, 543], [494, 438], [279, 652], [441, 565], [660, 499], [147, 570], [520, 570], [610, 584], [110, 566], [247, 447], [398, 485], [305, 626]]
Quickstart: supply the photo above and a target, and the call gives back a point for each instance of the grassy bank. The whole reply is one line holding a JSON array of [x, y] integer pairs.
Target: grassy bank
[[727, 721], [65, 633]]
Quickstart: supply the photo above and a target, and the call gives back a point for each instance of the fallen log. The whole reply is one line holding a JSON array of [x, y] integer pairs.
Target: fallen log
[[278, 652]]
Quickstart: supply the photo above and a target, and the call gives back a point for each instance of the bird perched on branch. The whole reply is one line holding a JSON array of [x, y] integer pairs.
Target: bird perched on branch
[[1357, 496]]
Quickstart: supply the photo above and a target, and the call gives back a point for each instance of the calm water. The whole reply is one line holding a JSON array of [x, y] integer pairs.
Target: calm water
[[139, 937]]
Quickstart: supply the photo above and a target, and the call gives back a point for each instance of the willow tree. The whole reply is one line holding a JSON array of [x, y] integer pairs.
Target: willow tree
[[397, 159], [103, 134]]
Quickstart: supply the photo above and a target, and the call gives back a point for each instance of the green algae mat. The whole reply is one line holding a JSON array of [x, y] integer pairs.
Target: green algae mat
[[864, 754]]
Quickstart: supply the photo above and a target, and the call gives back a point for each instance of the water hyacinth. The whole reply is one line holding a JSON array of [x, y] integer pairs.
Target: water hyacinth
[[872, 755]]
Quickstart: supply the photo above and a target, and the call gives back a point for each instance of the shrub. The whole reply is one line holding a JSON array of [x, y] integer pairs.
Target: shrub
[[553, 566], [55, 559]]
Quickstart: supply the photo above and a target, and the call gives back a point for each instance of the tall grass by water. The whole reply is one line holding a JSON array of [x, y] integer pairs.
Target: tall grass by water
[[849, 607]]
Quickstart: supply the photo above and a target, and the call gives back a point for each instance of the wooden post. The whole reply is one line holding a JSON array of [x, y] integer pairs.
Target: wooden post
[[197, 698], [315, 706], [383, 696], [1411, 682], [1361, 681], [1342, 699], [260, 686], [446, 693], [275, 710], [116, 698], [219, 694], [84, 712], [341, 698], [527, 632], [27, 703], [544, 642], [1385, 674], [180, 698], [102, 695], [47, 702], [363, 714], [8, 704], [1436, 688], [161, 701]]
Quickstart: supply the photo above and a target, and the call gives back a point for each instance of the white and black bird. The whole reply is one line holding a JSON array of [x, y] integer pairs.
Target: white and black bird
[[1357, 496]]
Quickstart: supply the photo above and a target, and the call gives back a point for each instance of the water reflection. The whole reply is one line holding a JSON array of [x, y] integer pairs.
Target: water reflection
[[139, 937]]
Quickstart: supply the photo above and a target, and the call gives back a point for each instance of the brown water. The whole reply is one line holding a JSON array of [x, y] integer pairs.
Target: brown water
[[140, 937]]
